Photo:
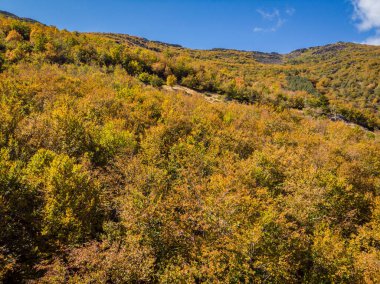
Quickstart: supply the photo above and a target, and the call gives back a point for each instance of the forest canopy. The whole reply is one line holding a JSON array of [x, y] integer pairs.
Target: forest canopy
[[109, 174]]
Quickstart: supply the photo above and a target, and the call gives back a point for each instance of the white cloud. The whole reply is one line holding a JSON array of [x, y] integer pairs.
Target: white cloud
[[367, 13], [257, 29], [290, 11], [275, 18], [269, 15], [375, 40]]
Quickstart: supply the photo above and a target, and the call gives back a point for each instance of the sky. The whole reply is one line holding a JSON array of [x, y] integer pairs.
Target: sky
[[261, 25]]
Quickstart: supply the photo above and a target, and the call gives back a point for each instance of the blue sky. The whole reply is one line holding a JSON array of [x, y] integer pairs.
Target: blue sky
[[263, 25]]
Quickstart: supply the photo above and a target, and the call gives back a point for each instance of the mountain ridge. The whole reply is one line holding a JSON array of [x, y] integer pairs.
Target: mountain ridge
[[265, 57], [11, 15]]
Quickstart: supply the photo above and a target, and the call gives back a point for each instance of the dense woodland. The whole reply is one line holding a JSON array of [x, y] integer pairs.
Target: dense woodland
[[106, 177]]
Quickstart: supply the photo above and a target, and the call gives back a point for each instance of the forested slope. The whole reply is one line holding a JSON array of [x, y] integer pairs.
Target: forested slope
[[105, 177]]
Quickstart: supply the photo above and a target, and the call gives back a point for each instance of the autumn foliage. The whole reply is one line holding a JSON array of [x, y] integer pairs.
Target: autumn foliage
[[105, 177]]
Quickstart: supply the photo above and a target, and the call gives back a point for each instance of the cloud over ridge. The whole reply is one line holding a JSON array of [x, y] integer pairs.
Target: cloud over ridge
[[367, 13]]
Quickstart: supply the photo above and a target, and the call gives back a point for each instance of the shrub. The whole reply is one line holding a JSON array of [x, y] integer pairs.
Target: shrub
[[22, 29], [156, 81], [171, 80], [297, 83], [14, 36], [144, 77]]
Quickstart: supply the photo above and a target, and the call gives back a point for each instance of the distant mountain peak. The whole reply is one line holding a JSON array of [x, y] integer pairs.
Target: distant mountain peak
[[10, 15]]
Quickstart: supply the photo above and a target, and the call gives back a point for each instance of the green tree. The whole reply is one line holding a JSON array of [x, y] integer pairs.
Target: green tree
[[71, 202]]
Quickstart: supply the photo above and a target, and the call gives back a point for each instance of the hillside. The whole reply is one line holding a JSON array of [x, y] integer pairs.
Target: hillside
[[338, 80], [124, 160]]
